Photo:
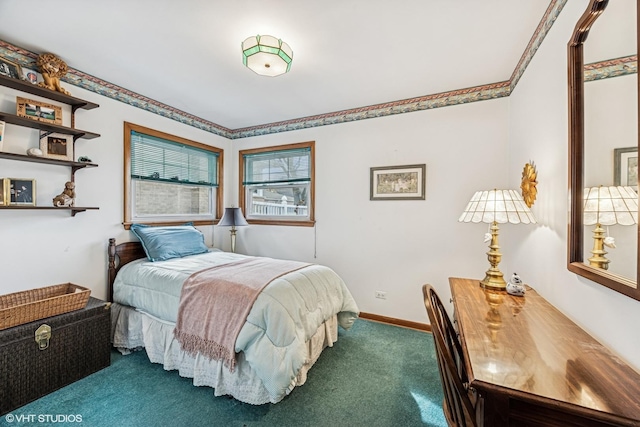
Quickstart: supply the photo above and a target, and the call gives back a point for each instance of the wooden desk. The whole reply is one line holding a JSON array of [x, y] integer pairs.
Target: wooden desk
[[532, 366]]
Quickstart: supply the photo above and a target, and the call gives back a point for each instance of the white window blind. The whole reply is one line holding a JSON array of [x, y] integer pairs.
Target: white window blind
[[158, 159]]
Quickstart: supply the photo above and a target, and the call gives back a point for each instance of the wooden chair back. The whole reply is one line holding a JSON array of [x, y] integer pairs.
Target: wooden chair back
[[459, 401]]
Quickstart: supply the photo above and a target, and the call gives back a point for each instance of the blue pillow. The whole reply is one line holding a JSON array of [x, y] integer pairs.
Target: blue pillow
[[162, 243]]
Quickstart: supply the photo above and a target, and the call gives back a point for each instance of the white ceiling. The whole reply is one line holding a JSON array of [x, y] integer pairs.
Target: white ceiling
[[347, 53]]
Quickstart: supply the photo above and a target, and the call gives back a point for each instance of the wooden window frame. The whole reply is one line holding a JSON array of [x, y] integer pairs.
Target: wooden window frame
[[312, 193], [128, 127]]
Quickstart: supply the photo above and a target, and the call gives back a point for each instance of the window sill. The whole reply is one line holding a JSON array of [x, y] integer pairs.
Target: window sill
[[127, 225], [281, 222]]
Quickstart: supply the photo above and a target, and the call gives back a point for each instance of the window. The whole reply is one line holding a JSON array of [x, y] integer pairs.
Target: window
[[276, 184], [169, 179]]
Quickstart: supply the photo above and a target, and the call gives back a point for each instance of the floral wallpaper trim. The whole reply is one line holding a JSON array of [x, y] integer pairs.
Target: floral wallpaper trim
[[611, 68], [547, 21], [455, 97]]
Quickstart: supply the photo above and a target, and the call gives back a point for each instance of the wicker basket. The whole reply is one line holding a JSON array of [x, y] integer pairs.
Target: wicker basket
[[28, 306]]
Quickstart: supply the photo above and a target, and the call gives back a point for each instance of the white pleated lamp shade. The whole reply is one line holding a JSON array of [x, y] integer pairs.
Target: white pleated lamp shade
[[610, 205], [501, 206]]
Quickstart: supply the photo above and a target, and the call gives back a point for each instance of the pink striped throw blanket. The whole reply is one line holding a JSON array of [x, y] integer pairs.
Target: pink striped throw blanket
[[215, 303]]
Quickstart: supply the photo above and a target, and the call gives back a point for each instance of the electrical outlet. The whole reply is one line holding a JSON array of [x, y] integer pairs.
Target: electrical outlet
[[381, 295]]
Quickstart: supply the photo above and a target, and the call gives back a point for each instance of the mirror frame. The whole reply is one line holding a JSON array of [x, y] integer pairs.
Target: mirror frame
[[575, 263]]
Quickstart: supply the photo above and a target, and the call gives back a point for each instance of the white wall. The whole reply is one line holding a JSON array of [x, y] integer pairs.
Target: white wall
[[538, 130], [41, 248], [394, 246]]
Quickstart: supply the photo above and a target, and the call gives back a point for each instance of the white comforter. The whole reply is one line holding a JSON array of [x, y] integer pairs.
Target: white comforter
[[285, 315]]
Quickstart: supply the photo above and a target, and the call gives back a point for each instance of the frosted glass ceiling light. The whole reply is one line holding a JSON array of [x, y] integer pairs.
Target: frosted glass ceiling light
[[266, 55]]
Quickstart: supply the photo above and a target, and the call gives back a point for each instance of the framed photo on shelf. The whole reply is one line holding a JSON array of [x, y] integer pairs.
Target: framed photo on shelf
[[4, 192], [56, 145], [10, 69], [19, 191], [30, 76], [398, 182], [40, 111], [625, 166]]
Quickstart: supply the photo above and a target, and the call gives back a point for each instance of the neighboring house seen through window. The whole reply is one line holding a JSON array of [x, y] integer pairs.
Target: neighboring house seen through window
[[277, 184], [169, 179]]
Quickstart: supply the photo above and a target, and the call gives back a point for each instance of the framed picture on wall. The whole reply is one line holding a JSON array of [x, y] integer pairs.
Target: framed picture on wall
[[397, 182], [19, 191], [56, 145], [625, 166]]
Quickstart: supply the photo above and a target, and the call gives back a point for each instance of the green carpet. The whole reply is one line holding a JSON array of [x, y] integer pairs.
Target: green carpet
[[375, 375]]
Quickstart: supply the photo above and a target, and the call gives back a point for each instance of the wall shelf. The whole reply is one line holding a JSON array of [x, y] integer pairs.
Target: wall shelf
[[74, 210], [47, 160], [35, 124], [33, 89], [13, 119]]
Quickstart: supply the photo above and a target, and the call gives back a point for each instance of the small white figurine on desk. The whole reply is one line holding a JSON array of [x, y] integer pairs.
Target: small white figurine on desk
[[515, 286]]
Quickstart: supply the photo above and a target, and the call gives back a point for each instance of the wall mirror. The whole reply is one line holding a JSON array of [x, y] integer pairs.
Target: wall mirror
[[603, 145]]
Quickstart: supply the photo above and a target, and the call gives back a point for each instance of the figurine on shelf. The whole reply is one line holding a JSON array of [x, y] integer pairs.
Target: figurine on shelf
[[515, 286], [68, 196], [52, 69], [84, 159]]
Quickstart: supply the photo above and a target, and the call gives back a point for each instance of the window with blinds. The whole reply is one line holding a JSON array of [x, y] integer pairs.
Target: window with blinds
[[277, 184], [161, 160], [170, 179]]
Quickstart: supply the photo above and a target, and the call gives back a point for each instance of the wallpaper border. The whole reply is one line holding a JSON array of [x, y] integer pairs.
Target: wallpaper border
[[611, 68]]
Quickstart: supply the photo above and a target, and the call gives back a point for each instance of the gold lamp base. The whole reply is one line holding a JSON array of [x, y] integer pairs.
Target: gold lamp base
[[494, 279], [599, 260]]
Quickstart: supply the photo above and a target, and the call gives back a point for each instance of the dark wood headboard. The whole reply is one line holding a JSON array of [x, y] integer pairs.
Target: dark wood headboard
[[120, 255]]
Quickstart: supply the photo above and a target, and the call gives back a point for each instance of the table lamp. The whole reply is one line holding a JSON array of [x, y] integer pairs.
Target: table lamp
[[493, 207], [608, 206], [233, 218]]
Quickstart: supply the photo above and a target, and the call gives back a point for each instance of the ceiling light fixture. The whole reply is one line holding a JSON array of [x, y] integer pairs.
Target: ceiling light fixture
[[266, 55]]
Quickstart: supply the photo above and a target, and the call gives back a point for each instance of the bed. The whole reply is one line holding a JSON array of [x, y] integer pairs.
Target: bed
[[294, 318]]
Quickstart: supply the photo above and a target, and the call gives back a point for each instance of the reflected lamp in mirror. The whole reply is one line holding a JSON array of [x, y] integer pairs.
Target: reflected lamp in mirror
[[496, 207], [608, 206], [233, 218]]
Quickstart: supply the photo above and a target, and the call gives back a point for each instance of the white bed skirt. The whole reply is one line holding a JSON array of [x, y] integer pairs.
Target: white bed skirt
[[132, 330]]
